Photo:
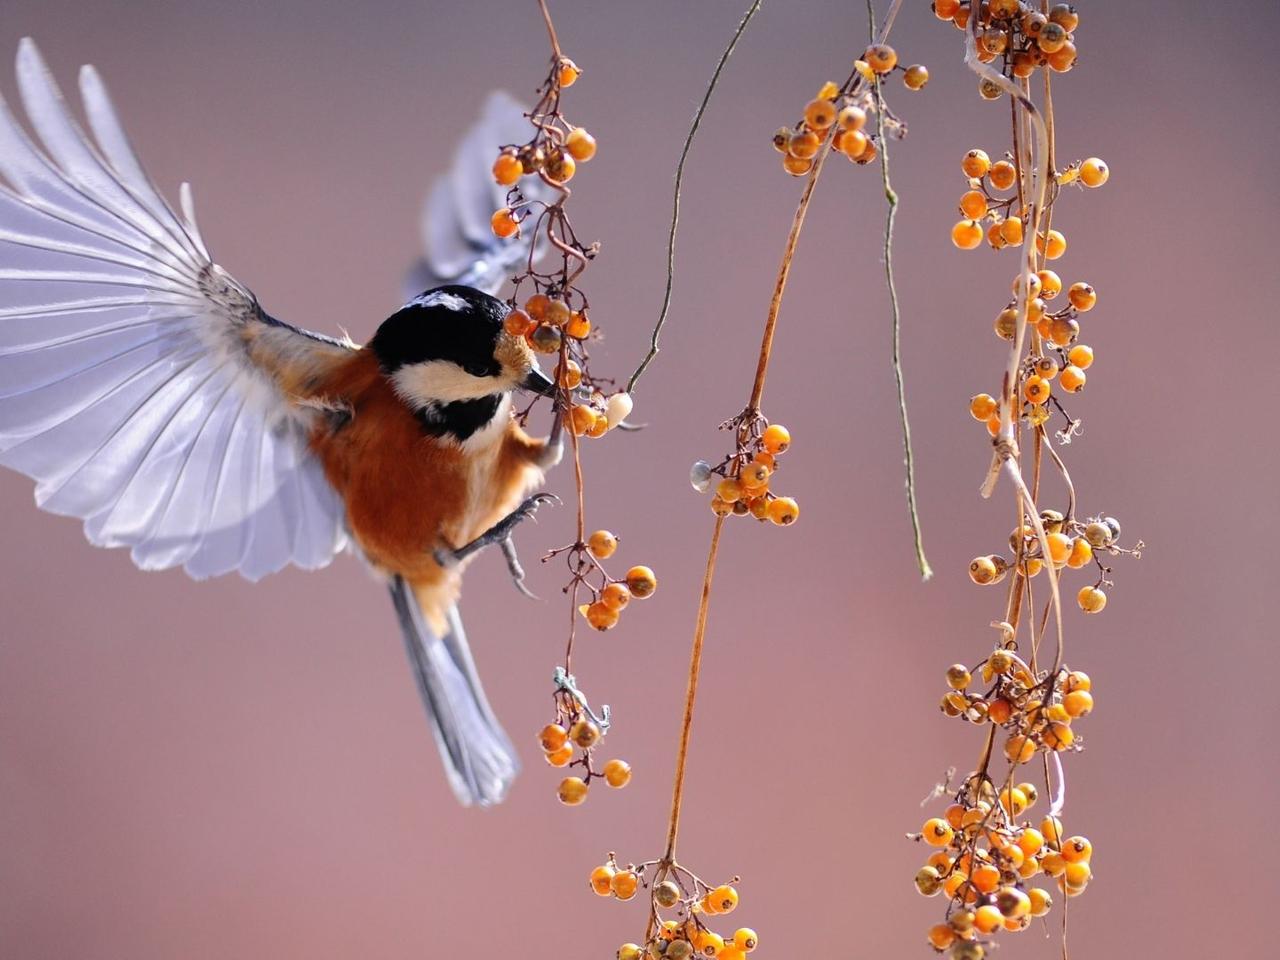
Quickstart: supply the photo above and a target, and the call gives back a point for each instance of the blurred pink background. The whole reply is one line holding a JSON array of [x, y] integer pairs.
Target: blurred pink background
[[225, 770]]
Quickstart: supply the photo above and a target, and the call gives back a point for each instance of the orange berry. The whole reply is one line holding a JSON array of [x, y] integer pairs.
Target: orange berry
[[1091, 599], [641, 582], [916, 76], [881, 57], [851, 118], [536, 306], [1040, 902], [993, 424], [560, 167], [578, 327], [569, 72], [941, 936], [602, 616], [754, 475], [602, 880], [1081, 356], [985, 878], [504, 225], [784, 511], [987, 918], [517, 323], [1003, 175], [796, 166], [1050, 284], [552, 737], [1094, 172], [1011, 230], [724, 898], [1030, 841], [560, 757], [625, 884], [852, 143], [820, 114], [1077, 873], [1072, 379], [1059, 548], [708, 944], [1058, 736], [1054, 247], [1078, 703], [745, 939], [570, 375], [937, 832], [615, 596], [967, 234], [507, 169], [1081, 553], [580, 144], [729, 490], [975, 164], [983, 406], [584, 733], [974, 205], [572, 791], [1082, 296], [1036, 389], [1019, 749], [776, 439], [804, 146], [1077, 850], [602, 544], [617, 773]]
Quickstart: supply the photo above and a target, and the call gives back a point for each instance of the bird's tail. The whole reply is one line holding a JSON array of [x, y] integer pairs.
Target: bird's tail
[[478, 756]]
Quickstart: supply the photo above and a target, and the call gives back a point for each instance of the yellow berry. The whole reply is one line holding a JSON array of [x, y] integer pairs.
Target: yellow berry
[[578, 327], [1094, 172], [725, 898], [560, 167], [584, 733], [881, 57], [1081, 356], [820, 114], [629, 951], [1081, 553], [851, 118], [983, 406], [1036, 390], [1072, 379], [1091, 599], [1054, 247], [1078, 703], [615, 596], [1002, 175], [916, 76], [974, 205], [745, 939]]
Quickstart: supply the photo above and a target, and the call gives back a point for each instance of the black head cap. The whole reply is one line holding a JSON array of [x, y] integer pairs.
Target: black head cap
[[453, 323]]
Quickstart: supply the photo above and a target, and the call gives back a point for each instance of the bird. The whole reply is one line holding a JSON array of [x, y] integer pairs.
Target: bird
[[147, 392]]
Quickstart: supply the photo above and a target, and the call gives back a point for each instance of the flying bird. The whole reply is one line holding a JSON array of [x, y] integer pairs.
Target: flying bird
[[146, 391]]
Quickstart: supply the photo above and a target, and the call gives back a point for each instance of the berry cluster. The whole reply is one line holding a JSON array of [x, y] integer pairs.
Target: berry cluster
[[1072, 543], [687, 900], [1036, 710], [1025, 37], [987, 854], [987, 851], [553, 317], [576, 726], [839, 112], [981, 204], [745, 475]]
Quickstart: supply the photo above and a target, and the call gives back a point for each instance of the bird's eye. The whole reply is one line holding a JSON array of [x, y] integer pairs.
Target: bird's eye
[[476, 369]]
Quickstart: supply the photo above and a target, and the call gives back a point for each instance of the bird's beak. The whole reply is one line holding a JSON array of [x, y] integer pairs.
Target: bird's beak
[[536, 381]]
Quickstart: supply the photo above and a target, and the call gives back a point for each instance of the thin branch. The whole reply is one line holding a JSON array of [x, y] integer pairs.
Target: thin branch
[[891, 197], [675, 203]]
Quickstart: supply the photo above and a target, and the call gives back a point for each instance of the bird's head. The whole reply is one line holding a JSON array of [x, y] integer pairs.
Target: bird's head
[[448, 346]]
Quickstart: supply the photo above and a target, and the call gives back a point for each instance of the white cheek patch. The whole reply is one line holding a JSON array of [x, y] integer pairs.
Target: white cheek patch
[[440, 381]]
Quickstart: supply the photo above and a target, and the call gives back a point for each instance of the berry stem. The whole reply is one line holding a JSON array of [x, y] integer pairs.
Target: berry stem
[[691, 695], [675, 203], [551, 31]]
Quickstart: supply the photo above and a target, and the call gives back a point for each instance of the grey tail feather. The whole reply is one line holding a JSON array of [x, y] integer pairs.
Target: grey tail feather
[[478, 756]]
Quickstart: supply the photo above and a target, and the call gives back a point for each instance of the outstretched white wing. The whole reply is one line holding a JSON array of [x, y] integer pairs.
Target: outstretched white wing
[[140, 385], [459, 244]]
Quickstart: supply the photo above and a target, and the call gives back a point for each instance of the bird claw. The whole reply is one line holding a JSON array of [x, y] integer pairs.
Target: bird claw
[[499, 533]]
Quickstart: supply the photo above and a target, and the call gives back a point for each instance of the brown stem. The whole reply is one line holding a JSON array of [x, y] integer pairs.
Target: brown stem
[[691, 693], [551, 30], [771, 323]]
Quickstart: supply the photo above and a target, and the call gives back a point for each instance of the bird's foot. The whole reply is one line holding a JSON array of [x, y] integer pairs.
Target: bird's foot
[[500, 533]]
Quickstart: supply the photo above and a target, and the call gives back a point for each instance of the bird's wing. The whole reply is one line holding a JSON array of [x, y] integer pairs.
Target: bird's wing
[[141, 386], [459, 244]]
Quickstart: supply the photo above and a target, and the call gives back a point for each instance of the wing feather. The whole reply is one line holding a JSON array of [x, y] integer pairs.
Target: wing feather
[[125, 388]]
